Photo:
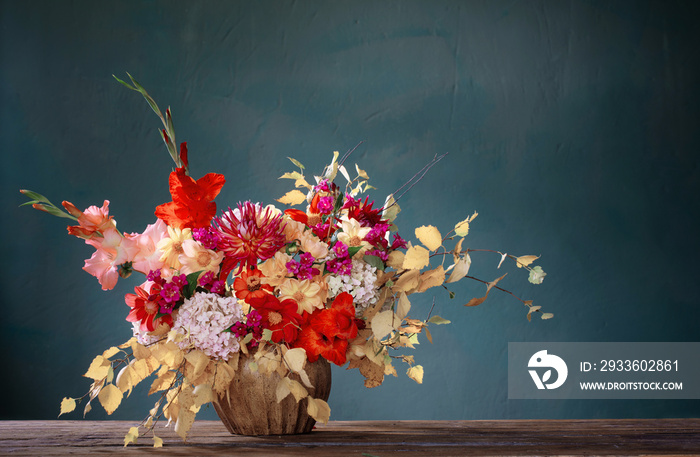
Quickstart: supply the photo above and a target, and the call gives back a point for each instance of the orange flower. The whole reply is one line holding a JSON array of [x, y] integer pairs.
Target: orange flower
[[193, 201], [249, 286]]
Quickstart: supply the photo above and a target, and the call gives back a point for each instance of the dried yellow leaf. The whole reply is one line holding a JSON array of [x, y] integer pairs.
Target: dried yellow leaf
[[384, 323], [295, 358], [157, 442], [431, 278], [197, 362], [407, 282], [292, 175], [99, 368], [480, 300], [110, 398], [429, 236], [395, 259], [110, 352], [361, 173], [416, 258], [416, 373], [163, 382], [131, 436], [462, 228], [67, 405], [403, 305], [391, 208], [319, 410], [293, 197], [461, 269], [525, 260], [185, 419], [140, 351]]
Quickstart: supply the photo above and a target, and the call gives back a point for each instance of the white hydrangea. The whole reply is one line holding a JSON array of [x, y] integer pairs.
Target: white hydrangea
[[360, 283], [203, 319], [143, 337]]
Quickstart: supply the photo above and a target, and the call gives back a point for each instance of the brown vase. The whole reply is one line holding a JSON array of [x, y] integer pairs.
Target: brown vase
[[253, 408]]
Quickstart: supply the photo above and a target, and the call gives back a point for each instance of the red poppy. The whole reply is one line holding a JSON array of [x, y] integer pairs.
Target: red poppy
[[193, 201], [327, 331], [145, 307], [248, 286], [279, 316]]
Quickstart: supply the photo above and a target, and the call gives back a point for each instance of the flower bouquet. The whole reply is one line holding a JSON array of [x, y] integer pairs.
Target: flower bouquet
[[255, 297]]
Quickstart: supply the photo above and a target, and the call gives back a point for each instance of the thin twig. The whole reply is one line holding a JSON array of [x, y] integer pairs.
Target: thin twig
[[415, 179], [347, 154]]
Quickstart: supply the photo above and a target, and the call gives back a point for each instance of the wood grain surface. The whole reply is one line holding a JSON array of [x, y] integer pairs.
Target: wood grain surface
[[367, 438]]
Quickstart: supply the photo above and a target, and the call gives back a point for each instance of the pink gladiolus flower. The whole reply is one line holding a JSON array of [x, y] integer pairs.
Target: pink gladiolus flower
[[92, 220], [148, 256], [112, 250]]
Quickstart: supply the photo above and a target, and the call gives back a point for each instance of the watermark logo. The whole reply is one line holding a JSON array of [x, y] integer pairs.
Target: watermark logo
[[543, 360]]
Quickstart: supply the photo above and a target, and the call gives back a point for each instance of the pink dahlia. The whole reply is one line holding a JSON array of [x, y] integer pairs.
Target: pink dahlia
[[247, 234]]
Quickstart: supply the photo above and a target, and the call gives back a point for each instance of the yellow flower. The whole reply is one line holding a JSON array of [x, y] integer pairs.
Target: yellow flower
[[305, 293], [171, 246]]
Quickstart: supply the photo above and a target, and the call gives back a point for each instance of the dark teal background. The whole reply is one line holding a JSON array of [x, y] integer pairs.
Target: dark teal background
[[571, 127]]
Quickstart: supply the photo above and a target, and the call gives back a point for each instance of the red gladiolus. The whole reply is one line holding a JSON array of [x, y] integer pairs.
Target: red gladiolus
[[193, 201]]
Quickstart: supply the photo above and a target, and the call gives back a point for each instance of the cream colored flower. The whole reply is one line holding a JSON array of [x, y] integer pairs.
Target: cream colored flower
[[305, 293], [196, 257], [313, 245], [275, 269], [293, 230], [353, 235], [171, 246]]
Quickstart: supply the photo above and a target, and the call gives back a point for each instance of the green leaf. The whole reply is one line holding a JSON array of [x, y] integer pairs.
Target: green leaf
[[125, 83], [536, 275], [54, 211], [192, 280], [352, 250], [338, 202], [437, 320], [296, 162], [374, 261], [36, 197]]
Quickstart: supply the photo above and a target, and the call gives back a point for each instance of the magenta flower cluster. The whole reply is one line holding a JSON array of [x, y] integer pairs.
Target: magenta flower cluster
[[252, 325], [303, 268], [342, 264]]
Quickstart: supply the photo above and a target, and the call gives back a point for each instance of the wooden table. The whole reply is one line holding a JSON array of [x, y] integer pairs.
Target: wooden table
[[367, 438]]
